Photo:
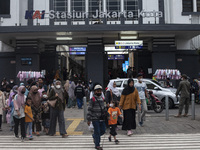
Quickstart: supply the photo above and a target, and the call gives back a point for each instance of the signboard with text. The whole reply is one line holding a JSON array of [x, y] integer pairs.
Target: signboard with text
[[136, 44], [77, 50]]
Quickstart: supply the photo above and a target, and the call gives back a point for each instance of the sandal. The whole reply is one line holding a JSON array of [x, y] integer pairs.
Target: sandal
[[177, 116], [116, 142], [65, 136], [99, 148], [37, 134]]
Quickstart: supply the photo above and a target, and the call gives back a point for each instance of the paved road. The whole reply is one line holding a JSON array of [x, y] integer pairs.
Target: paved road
[[177, 133], [139, 142], [155, 123]]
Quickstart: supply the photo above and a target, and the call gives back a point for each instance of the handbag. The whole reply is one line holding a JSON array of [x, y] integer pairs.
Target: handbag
[[21, 111], [52, 103]]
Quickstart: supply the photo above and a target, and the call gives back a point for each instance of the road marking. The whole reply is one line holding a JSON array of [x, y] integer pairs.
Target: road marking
[[72, 127]]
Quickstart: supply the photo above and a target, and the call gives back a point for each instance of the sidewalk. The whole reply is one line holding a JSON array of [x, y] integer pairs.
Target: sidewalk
[[155, 123]]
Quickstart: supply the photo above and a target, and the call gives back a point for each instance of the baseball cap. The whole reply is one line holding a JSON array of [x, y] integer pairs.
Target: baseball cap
[[97, 87]]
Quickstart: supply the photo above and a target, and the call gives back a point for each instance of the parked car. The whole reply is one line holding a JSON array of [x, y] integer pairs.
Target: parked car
[[158, 90]]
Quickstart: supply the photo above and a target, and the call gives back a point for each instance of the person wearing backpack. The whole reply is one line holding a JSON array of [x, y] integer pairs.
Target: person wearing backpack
[[96, 110], [79, 93]]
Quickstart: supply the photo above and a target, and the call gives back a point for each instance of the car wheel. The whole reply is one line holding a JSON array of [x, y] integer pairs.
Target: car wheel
[[171, 103]]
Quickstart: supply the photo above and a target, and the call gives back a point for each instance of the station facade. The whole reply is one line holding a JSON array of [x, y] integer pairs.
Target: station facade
[[43, 33]]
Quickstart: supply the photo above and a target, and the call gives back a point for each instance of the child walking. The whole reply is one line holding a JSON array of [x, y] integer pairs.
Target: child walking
[[28, 118], [45, 113], [114, 112], [11, 106]]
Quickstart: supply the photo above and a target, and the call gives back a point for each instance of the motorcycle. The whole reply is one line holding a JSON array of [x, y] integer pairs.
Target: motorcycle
[[154, 104]]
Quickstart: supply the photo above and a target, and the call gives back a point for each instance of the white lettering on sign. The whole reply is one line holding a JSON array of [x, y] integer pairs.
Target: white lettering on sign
[[114, 14]]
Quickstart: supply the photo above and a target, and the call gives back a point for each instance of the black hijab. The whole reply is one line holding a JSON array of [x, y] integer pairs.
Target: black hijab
[[128, 90]]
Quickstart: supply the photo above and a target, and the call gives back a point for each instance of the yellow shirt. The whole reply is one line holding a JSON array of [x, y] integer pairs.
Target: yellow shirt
[[28, 111]]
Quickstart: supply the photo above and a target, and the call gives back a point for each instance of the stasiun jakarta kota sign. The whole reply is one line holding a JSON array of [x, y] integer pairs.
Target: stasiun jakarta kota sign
[[37, 14]]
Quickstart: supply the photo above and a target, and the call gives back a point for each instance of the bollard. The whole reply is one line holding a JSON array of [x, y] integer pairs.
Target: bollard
[[193, 107], [167, 108], [85, 108]]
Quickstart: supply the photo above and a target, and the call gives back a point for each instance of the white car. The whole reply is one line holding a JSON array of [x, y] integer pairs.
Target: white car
[[154, 86]]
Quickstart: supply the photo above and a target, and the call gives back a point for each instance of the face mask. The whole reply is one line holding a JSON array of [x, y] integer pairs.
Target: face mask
[[111, 105], [58, 86], [98, 94], [35, 92], [140, 80], [52, 86], [22, 92], [11, 81], [45, 96]]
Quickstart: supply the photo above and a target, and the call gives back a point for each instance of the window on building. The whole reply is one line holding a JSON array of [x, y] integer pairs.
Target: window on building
[[78, 6], [187, 5], [132, 5], [61, 6], [113, 6], [4, 7], [198, 5], [93, 6]]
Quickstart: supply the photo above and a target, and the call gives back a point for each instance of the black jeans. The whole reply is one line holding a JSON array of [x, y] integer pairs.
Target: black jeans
[[22, 126], [0, 121]]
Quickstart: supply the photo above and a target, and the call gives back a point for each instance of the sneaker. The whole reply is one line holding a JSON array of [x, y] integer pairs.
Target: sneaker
[[109, 138], [140, 124], [116, 142], [17, 136], [30, 137], [22, 139], [129, 133]]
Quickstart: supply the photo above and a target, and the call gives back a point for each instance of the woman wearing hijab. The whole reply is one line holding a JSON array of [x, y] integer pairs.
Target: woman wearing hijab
[[13, 92], [36, 108], [2, 106], [19, 116], [112, 93], [57, 93], [128, 102]]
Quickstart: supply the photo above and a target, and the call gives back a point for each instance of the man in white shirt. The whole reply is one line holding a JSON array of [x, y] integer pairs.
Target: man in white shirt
[[142, 90]]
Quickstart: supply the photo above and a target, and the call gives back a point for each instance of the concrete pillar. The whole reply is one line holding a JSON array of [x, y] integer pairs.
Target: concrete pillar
[[95, 63], [131, 59]]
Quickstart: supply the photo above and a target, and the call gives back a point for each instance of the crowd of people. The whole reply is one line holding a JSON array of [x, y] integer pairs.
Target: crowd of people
[[37, 106]]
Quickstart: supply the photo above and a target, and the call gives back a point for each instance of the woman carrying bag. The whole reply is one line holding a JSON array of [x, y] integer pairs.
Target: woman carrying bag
[[128, 102], [19, 115], [57, 94], [112, 93]]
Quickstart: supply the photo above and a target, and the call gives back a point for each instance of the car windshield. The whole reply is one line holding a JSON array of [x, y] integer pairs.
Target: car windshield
[[156, 82]]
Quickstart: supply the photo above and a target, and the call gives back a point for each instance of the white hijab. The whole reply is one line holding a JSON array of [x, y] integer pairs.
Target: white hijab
[[114, 90]]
